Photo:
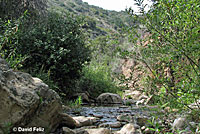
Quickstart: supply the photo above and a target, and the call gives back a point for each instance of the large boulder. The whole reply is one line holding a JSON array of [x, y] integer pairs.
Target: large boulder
[[109, 98], [26, 101]]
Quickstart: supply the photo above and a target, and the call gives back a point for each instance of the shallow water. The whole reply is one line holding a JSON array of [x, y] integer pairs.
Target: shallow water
[[109, 115]]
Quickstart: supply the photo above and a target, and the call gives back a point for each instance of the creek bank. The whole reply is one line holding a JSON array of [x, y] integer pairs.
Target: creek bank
[[130, 120], [26, 101]]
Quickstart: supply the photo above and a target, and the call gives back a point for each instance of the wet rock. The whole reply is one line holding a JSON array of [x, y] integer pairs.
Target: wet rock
[[127, 129], [125, 117], [67, 130], [99, 131], [89, 127], [116, 125], [93, 119], [109, 98], [111, 124], [98, 115], [27, 101]]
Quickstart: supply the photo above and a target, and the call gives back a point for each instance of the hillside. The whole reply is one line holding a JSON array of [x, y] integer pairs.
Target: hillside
[[99, 21]]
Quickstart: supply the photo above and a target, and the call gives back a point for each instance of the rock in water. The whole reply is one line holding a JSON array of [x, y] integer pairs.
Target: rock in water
[[26, 101], [109, 98]]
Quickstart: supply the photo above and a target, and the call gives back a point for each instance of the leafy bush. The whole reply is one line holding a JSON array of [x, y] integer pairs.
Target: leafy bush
[[170, 50], [8, 37], [56, 44], [97, 79]]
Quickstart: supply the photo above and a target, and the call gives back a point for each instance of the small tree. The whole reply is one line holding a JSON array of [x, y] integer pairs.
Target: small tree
[[167, 41]]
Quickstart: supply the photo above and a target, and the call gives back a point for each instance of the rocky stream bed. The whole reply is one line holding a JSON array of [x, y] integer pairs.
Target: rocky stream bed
[[28, 103], [128, 120], [112, 117]]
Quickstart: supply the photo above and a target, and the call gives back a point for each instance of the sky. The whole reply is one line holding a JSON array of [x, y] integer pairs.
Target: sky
[[116, 5]]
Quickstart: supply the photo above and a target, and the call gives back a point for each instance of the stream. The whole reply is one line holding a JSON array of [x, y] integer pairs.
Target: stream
[[114, 117]]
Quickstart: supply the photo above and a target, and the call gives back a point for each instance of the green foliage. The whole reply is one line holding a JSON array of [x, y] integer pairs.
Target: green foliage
[[78, 101], [97, 16], [55, 44], [172, 49], [97, 79], [45, 77], [75, 104], [98, 76], [8, 37]]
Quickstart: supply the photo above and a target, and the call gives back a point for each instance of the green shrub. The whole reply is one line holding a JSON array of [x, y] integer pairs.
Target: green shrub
[[172, 50], [97, 79], [8, 39], [56, 44]]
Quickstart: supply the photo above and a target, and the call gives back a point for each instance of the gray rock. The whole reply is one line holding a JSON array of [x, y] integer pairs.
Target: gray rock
[[125, 117], [109, 98], [27, 101], [111, 124]]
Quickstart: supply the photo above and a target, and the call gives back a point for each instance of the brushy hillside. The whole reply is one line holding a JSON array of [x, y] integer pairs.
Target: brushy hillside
[[99, 21]]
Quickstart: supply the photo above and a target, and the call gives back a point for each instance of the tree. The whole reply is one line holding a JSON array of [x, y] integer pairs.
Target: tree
[[170, 49], [55, 44]]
